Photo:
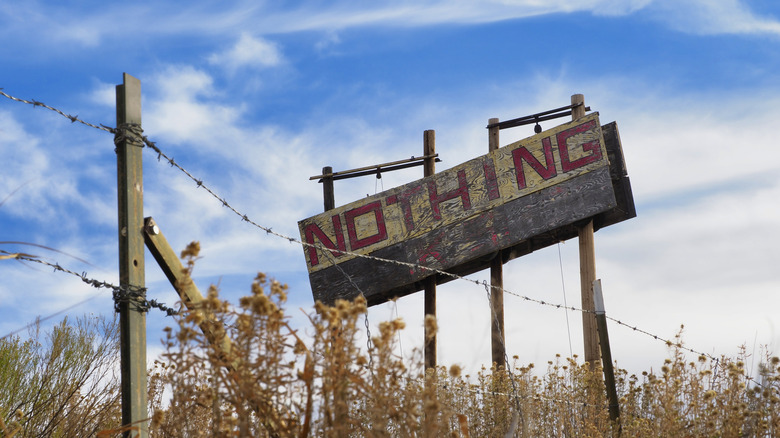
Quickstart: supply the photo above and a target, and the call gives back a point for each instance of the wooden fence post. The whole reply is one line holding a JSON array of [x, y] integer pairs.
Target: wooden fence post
[[587, 266], [132, 318], [497, 338], [429, 168]]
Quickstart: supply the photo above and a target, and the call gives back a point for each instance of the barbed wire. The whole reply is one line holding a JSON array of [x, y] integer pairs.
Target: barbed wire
[[668, 342], [137, 138], [73, 119], [494, 289], [132, 295], [470, 388], [369, 341], [134, 134], [489, 289]]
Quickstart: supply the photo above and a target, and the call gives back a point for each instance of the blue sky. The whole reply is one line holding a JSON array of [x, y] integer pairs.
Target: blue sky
[[255, 97]]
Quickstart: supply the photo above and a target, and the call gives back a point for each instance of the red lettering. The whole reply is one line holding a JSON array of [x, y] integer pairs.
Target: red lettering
[[350, 216], [406, 207], [312, 230], [592, 146], [462, 191], [491, 182], [522, 154]]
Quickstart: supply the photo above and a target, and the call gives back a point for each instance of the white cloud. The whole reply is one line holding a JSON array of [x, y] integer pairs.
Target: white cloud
[[183, 106], [86, 35], [103, 94], [183, 83], [330, 40], [713, 17], [29, 172], [248, 52]]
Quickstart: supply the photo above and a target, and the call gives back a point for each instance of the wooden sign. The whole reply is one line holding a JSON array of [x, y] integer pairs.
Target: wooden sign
[[458, 219]]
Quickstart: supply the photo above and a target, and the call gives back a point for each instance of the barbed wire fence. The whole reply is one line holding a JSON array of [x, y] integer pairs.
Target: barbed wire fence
[[134, 133], [137, 296], [131, 294]]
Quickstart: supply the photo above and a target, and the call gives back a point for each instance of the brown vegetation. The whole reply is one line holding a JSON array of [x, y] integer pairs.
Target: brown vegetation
[[278, 382]]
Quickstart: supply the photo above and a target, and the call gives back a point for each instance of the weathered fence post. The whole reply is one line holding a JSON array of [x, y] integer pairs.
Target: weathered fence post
[[132, 317]]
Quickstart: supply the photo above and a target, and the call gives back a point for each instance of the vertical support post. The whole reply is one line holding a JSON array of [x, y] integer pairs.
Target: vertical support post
[[497, 337], [606, 354], [587, 265], [429, 168], [132, 319], [327, 188]]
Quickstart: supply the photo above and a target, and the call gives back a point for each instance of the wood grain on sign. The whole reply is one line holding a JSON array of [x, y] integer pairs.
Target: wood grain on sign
[[459, 216]]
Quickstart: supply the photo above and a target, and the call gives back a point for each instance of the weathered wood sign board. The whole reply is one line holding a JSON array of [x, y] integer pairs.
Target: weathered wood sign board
[[459, 219]]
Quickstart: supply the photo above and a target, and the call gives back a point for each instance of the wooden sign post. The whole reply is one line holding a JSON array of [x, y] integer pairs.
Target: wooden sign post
[[587, 264], [497, 336], [132, 319], [328, 196], [429, 150]]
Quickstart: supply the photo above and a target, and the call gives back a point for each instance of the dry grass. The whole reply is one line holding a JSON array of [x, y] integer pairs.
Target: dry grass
[[277, 382]]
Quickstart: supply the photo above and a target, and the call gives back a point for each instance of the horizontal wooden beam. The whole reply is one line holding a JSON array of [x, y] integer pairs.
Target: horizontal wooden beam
[[374, 167], [538, 117]]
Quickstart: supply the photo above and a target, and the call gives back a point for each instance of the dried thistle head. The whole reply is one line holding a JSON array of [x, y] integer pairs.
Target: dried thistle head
[[280, 290], [262, 305], [191, 251], [431, 327], [157, 418], [300, 347], [343, 307], [359, 306]]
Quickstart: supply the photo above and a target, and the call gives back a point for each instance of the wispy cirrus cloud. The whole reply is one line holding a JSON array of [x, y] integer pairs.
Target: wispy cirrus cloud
[[705, 17], [90, 28]]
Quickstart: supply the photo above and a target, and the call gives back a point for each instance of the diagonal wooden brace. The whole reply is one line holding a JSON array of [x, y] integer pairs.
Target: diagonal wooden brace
[[191, 297], [189, 293]]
